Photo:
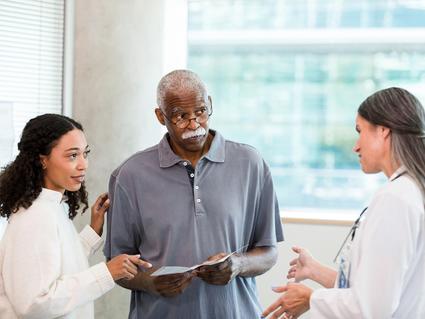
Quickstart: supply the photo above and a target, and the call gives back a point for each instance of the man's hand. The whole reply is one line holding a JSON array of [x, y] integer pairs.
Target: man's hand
[[222, 273], [170, 285]]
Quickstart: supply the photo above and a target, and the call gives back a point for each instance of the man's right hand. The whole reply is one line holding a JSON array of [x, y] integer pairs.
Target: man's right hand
[[170, 285]]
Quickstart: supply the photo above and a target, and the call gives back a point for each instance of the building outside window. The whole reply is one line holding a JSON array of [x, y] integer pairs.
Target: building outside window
[[287, 77]]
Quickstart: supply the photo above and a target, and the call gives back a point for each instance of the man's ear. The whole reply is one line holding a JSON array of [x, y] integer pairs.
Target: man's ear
[[211, 107], [159, 116]]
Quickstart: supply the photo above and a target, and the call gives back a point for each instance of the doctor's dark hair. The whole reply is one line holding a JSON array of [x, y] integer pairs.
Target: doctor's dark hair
[[401, 112], [21, 180]]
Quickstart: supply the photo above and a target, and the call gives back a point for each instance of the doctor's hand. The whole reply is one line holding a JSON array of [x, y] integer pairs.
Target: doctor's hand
[[302, 267], [221, 273], [170, 285], [294, 301]]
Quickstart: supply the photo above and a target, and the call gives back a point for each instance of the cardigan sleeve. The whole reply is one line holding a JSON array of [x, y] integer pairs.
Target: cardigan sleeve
[[90, 240], [32, 270]]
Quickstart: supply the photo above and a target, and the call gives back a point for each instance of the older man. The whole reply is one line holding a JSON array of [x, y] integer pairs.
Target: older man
[[195, 196]]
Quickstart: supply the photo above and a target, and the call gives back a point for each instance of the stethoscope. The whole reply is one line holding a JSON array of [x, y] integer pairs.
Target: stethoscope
[[351, 233], [356, 225]]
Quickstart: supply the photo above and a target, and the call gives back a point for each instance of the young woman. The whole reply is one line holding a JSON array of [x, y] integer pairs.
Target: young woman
[[44, 272], [381, 271]]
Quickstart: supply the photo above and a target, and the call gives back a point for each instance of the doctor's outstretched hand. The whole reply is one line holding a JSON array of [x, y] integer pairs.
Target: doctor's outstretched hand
[[306, 267], [294, 301], [303, 267]]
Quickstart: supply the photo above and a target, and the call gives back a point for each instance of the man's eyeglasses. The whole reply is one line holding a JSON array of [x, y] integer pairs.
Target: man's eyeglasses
[[182, 119]]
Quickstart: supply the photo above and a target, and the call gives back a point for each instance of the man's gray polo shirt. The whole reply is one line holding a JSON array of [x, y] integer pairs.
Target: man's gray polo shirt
[[158, 212]]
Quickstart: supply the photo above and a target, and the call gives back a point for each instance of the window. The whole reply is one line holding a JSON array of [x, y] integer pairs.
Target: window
[[287, 77], [31, 65]]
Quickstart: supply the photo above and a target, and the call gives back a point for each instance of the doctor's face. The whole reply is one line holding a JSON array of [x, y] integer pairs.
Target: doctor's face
[[370, 146]]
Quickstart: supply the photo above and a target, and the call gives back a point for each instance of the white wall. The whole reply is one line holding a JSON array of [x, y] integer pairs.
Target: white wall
[[122, 48], [323, 241], [119, 57]]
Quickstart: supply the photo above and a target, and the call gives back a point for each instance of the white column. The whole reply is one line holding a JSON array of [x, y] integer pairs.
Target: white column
[[121, 50]]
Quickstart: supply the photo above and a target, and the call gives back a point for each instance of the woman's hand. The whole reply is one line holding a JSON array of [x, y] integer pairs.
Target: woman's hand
[[98, 211], [294, 301], [126, 266], [302, 267]]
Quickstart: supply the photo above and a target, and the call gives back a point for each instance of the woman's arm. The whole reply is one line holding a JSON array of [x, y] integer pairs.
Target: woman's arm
[[91, 235], [306, 267], [33, 269]]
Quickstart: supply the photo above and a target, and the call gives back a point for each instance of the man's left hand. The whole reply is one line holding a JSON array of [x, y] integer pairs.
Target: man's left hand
[[222, 273]]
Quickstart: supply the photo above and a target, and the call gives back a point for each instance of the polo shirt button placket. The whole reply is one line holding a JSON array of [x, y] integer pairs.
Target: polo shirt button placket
[[197, 197]]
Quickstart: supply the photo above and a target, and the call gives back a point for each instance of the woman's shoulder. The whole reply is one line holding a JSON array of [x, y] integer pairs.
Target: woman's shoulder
[[402, 191], [39, 213]]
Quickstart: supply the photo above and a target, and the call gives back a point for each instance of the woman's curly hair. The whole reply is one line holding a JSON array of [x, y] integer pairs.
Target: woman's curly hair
[[21, 181]]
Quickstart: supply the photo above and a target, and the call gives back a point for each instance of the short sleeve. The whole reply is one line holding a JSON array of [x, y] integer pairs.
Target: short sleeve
[[123, 236], [268, 227]]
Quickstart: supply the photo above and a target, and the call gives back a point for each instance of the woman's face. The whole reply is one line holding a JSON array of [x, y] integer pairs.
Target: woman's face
[[65, 167], [371, 145]]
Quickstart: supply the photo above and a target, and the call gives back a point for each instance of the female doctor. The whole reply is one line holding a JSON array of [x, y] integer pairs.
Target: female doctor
[[44, 271], [381, 271]]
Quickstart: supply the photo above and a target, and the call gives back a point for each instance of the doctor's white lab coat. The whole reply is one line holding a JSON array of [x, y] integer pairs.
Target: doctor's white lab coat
[[387, 276]]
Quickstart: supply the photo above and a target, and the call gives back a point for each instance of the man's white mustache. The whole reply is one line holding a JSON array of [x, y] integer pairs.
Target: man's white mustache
[[200, 131]]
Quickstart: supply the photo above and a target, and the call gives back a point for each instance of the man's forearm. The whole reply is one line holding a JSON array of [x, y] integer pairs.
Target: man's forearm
[[256, 261]]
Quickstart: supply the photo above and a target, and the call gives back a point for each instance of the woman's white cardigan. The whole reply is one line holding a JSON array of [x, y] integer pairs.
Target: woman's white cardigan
[[44, 271]]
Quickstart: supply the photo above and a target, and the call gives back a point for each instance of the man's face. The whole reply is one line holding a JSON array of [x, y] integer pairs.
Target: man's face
[[185, 105]]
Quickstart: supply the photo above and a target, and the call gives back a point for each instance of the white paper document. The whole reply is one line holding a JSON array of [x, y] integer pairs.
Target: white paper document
[[170, 270]]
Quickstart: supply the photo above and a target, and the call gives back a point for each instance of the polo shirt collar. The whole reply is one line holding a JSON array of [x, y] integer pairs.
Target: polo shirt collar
[[217, 149], [168, 158]]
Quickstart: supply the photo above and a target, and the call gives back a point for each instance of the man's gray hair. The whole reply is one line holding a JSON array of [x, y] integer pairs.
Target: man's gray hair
[[178, 81]]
